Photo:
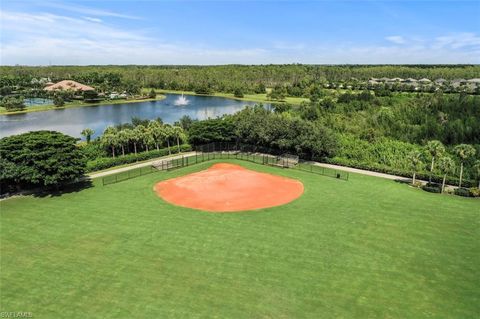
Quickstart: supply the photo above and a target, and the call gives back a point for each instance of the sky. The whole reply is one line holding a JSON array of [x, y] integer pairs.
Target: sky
[[239, 32]]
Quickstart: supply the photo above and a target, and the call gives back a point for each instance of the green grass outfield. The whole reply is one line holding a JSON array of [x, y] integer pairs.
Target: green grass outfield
[[362, 248]]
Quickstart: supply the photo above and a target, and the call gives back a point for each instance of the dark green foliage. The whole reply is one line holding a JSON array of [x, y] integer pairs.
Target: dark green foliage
[[259, 126], [212, 130], [41, 158], [462, 191], [93, 150], [107, 162], [138, 121], [58, 101], [281, 107], [238, 93], [432, 188], [204, 89], [90, 95], [316, 93], [132, 87], [152, 94], [5, 90], [185, 122], [254, 78], [259, 88], [12, 103], [278, 93]]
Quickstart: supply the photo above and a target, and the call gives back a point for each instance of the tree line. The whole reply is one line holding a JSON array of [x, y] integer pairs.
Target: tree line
[[229, 78]]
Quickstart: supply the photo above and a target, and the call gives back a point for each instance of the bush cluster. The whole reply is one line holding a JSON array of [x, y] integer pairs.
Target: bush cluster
[[388, 170], [432, 188], [107, 162], [462, 191]]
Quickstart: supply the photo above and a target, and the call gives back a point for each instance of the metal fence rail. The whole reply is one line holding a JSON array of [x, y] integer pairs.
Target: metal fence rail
[[258, 158], [123, 176]]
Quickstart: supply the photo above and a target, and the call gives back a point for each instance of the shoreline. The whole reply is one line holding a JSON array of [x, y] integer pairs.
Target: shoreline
[[260, 98], [50, 107]]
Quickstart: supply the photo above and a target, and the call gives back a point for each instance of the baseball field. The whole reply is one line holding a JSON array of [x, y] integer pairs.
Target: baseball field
[[366, 247]]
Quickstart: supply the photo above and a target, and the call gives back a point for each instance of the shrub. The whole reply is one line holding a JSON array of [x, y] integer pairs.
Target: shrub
[[462, 191], [152, 94], [475, 192], [238, 93], [399, 172], [107, 162], [58, 101], [432, 188], [11, 103], [417, 184]]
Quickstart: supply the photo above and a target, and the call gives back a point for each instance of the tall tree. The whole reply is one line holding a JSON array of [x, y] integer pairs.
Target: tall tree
[[136, 137], [87, 133], [179, 135], [40, 158], [464, 152], [167, 135], [436, 149], [157, 132], [476, 170], [446, 165], [123, 139], [416, 163], [109, 139]]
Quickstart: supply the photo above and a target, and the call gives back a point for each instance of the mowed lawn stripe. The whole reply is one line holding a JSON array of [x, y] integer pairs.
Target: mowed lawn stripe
[[366, 247]]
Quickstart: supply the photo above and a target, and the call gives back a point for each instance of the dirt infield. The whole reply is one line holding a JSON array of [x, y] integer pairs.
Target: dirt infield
[[228, 188]]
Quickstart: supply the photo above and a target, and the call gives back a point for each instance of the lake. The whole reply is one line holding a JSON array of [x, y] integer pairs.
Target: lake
[[97, 117]]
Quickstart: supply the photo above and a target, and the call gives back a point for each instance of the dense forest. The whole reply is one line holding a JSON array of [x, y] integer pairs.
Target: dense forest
[[227, 78]]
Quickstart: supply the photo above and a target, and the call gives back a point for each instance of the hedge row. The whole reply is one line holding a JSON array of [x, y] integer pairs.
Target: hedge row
[[387, 170], [107, 162]]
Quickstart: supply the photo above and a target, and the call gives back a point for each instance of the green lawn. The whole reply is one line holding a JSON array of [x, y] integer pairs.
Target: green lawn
[[363, 248], [261, 98]]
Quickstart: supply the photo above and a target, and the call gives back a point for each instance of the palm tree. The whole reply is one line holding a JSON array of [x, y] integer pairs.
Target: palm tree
[[148, 138], [110, 139], [123, 138], [416, 163], [476, 170], [136, 137], [145, 136], [156, 130], [464, 152], [447, 166], [88, 132], [436, 149], [167, 134], [179, 134]]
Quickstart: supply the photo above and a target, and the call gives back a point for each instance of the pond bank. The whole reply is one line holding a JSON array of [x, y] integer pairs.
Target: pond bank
[[49, 107]]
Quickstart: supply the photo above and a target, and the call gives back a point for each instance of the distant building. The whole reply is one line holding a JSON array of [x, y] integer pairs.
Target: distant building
[[68, 85]]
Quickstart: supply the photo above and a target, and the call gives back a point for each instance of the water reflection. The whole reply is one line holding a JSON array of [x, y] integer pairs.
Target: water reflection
[[73, 121]]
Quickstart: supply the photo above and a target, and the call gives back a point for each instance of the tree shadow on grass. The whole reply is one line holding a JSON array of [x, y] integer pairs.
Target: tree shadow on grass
[[403, 180], [64, 189]]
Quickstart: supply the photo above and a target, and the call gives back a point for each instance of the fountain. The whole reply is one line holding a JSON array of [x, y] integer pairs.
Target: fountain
[[181, 101]]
